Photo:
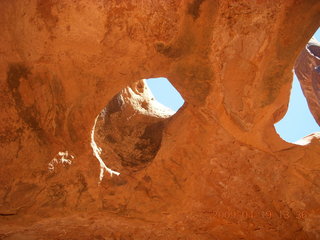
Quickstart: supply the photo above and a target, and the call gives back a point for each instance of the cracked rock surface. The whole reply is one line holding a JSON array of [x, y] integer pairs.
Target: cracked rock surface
[[216, 169]]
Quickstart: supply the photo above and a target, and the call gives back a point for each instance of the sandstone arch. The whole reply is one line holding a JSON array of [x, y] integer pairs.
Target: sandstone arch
[[62, 61]]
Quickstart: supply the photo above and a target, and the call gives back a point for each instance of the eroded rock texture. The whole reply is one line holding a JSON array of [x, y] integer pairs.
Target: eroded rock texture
[[130, 128], [214, 170], [307, 69]]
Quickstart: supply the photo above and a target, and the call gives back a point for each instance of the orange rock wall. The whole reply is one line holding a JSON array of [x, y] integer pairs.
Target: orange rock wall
[[221, 171]]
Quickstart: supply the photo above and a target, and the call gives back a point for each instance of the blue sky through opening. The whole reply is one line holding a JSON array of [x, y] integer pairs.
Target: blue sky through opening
[[165, 93], [297, 123]]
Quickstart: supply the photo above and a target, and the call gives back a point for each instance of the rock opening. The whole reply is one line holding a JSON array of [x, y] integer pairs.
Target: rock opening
[[165, 93], [299, 121], [129, 129]]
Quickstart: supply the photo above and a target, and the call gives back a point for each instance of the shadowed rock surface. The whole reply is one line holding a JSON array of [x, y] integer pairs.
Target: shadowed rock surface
[[130, 128], [216, 169]]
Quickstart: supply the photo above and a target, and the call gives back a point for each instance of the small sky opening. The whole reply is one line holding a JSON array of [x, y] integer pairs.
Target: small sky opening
[[165, 93], [298, 121]]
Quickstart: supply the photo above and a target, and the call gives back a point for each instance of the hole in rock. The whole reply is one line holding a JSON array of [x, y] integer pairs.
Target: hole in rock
[[165, 93], [128, 132], [298, 121]]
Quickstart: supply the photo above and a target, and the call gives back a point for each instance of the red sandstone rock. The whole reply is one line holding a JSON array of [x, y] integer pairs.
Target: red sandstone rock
[[220, 172]]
